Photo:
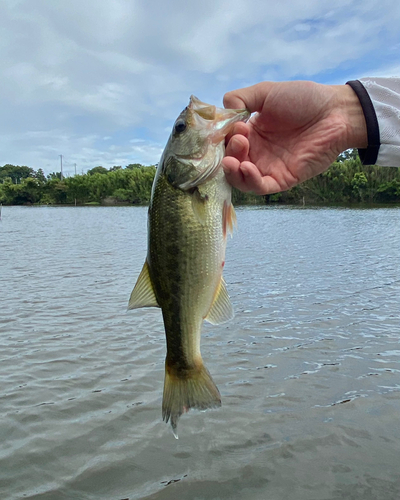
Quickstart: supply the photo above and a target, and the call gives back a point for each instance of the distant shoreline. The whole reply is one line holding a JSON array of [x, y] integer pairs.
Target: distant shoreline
[[355, 205], [346, 182]]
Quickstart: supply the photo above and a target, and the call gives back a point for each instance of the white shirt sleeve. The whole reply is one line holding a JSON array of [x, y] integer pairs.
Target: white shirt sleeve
[[385, 97]]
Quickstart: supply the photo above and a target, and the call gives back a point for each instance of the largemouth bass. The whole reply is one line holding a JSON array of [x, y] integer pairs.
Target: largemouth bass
[[190, 215]]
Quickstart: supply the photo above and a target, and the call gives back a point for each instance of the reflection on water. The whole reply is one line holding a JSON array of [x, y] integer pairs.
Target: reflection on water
[[309, 369]]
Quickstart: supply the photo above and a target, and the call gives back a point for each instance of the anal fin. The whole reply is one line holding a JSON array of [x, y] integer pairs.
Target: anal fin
[[143, 293], [221, 310]]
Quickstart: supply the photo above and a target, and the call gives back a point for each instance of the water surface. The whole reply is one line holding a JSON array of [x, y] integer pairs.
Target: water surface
[[309, 369]]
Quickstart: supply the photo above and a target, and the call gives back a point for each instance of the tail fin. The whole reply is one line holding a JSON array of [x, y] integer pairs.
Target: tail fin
[[196, 390]]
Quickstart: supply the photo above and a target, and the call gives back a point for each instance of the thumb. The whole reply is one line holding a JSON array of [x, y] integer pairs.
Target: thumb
[[251, 98]]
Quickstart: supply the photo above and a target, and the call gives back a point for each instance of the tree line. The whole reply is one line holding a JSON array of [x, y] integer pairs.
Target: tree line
[[24, 185], [346, 181]]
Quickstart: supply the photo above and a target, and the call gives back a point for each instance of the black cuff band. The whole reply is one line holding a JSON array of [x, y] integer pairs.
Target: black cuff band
[[368, 156]]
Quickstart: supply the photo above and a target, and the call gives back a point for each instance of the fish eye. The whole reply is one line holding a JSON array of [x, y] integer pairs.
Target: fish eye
[[180, 126]]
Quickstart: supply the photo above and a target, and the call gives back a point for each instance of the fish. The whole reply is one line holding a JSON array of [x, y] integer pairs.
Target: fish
[[189, 217]]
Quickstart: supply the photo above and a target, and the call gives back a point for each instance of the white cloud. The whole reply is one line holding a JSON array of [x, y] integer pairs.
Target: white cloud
[[75, 73]]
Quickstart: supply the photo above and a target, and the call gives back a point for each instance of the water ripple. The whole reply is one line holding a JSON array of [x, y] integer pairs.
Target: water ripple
[[309, 370]]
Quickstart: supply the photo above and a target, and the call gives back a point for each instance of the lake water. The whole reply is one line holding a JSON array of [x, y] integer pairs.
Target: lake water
[[309, 369]]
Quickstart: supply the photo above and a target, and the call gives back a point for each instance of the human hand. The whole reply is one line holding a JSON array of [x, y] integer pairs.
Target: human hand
[[299, 130]]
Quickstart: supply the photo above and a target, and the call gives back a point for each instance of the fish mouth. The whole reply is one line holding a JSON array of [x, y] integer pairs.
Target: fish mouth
[[221, 120], [224, 121]]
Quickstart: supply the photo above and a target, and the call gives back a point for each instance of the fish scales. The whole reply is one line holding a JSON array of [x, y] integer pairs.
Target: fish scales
[[185, 260], [190, 214]]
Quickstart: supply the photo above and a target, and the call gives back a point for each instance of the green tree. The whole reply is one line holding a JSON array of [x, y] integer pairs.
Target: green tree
[[15, 173], [134, 165], [388, 191], [39, 175], [99, 186], [97, 170], [359, 185], [55, 191], [26, 192], [54, 175], [78, 189]]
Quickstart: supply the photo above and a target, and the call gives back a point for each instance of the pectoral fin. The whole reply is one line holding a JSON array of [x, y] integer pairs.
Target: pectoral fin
[[199, 205], [228, 218], [221, 310], [143, 293]]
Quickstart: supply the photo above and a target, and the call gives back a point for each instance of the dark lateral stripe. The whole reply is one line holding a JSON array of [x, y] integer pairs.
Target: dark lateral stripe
[[368, 156]]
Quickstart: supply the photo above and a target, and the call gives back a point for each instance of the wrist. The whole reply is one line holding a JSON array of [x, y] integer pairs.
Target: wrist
[[353, 115], [369, 154]]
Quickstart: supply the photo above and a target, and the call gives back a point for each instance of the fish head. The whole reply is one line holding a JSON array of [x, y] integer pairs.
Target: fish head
[[200, 125], [196, 144]]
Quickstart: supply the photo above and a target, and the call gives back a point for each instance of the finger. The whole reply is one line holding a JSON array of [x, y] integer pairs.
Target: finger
[[254, 181], [233, 173], [238, 147], [251, 98], [240, 128]]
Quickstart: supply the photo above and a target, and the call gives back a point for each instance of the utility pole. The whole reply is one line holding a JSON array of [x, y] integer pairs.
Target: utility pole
[[75, 168], [61, 156]]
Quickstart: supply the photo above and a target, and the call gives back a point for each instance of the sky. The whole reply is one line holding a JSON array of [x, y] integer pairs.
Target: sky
[[102, 81]]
